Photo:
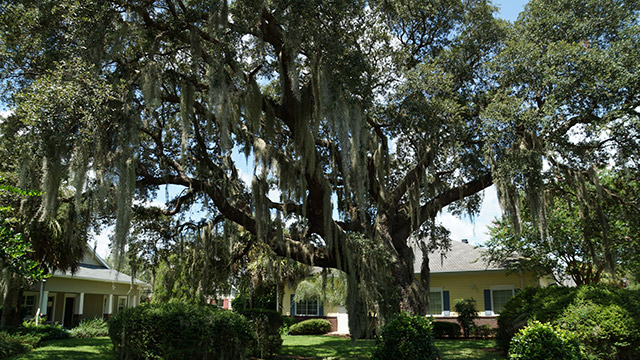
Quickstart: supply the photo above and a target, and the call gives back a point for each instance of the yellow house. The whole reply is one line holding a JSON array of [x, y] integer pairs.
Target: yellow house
[[459, 273], [94, 290]]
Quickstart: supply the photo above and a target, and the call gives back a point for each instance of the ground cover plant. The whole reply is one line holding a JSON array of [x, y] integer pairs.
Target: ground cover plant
[[88, 328]]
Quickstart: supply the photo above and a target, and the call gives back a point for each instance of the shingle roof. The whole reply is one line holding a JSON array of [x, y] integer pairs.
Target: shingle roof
[[99, 273], [462, 257]]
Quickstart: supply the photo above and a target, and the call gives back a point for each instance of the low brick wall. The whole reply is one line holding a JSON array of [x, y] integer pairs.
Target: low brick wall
[[332, 319], [492, 321]]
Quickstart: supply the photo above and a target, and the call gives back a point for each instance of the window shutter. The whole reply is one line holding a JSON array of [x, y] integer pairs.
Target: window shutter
[[445, 301], [487, 300], [293, 307], [320, 308]]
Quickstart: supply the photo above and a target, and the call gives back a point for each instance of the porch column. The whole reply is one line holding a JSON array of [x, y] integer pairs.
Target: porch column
[[110, 305], [45, 303], [81, 304], [134, 302]]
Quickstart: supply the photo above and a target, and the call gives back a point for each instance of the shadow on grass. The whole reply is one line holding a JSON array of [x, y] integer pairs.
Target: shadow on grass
[[72, 349], [468, 350], [319, 347]]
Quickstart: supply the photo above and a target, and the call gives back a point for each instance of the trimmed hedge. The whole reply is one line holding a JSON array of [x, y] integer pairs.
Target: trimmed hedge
[[442, 329], [310, 327], [406, 337], [266, 326], [540, 341], [605, 319], [181, 331]]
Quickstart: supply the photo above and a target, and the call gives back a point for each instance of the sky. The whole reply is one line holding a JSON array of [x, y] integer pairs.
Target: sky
[[474, 230]]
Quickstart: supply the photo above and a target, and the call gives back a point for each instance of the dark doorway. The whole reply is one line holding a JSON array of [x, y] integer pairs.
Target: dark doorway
[[68, 312]]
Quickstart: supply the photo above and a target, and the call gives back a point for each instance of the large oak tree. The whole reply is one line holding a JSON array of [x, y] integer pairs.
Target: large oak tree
[[367, 118]]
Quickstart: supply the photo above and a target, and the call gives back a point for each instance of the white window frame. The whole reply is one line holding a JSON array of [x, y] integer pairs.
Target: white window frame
[[126, 302], [500, 287], [441, 291], [317, 309]]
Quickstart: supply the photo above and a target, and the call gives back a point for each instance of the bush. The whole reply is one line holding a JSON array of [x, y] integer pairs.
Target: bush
[[442, 329], [310, 327], [484, 331], [90, 328], [266, 326], [607, 331], [13, 344], [44, 332], [466, 309], [542, 304], [406, 337], [177, 330], [288, 323], [540, 341], [605, 319]]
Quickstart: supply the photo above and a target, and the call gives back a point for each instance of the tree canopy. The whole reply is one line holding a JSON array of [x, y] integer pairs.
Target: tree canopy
[[365, 118]]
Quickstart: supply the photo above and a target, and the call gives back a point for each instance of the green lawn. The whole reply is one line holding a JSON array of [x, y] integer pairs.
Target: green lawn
[[81, 349], [314, 347], [338, 348]]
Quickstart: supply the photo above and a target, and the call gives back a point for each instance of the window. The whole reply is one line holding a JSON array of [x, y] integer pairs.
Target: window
[[28, 304], [307, 308], [435, 302], [499, 298], [122, 303]]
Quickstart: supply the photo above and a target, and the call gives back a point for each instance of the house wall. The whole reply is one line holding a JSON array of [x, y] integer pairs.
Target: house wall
[[329, 310], [93, 304], [472, 284]]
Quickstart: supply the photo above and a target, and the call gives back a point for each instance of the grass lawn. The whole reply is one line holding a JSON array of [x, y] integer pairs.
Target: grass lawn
[[94, 348], [310, 346]]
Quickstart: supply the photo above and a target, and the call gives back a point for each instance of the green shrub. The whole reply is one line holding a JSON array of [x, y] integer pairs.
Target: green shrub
[[605, 319], [177, 330], [442, 329], [542, 304], [484, 331], [266, 326], [310, 327], [406, 337], [607, 331], [13, 344], [540, 341], [466, 309], [44, 332], [90, 328], [288, 321]]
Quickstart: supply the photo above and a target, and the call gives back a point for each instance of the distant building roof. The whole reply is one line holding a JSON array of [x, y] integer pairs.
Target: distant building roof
[[94, 268], [462, 257], [98, 273]]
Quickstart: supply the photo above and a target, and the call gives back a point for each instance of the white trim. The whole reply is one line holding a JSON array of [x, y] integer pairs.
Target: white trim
[[36, 301], [128, 282]]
